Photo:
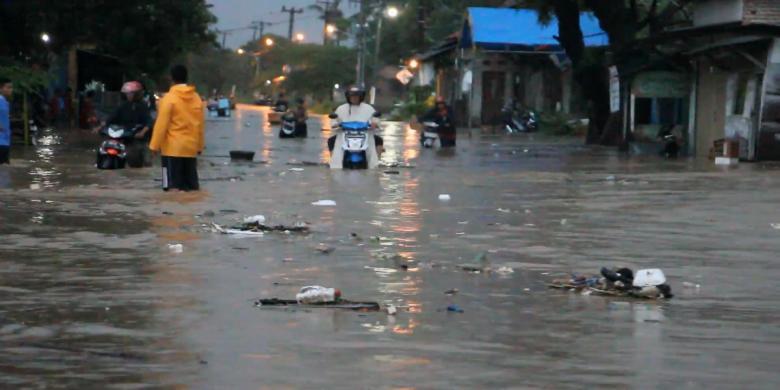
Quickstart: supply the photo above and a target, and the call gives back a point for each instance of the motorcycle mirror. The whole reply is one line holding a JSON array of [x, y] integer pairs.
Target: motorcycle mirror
[[333, 115]]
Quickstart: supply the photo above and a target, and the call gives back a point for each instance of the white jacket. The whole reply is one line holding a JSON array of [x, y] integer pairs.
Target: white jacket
[[349, 113]]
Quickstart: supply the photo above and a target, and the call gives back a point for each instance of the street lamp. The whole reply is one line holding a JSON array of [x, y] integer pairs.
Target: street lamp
[[392, 12], [45, 38], [299, 37], [330, 29], [413, 63], [240, 51], [269, 42]]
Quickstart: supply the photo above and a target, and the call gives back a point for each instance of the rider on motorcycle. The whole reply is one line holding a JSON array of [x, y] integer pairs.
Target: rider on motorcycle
[[356, 110], [443, 116], [300, 117], [131, 113], [281, 104]]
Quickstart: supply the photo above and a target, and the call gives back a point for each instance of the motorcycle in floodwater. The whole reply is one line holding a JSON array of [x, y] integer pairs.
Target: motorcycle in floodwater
[[289, 127], [355, 145], [430, 135], [276, 113], [113, 151]]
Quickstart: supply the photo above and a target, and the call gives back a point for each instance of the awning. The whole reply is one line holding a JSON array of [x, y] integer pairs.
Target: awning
[[510, 29]]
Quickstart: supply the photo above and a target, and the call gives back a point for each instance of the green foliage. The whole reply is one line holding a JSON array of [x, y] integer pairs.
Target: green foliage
[[419, 102], [314, 69], [25, 79], [560, 124], [401, 37], [213, 68], [145, 34], [323, 107]]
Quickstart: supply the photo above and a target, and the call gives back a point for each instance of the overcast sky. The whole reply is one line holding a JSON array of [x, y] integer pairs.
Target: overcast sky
[[241, 13]]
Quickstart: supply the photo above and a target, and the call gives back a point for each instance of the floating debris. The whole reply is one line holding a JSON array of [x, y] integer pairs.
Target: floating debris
[[257, 228], [324, 203], [620, 282], [454, 309]]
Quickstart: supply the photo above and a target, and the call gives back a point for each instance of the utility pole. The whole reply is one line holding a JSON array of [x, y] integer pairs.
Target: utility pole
[[258, 26], [361, 69], [224, 37], [292, 11], [378, 41]]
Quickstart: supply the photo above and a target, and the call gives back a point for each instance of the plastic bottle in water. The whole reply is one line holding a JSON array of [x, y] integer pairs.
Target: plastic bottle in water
[[317, 294]]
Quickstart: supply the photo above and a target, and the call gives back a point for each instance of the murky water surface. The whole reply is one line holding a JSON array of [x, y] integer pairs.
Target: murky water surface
[[91, 297]]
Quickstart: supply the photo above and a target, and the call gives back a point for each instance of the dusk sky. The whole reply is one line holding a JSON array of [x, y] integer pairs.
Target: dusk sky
[[240, 13]]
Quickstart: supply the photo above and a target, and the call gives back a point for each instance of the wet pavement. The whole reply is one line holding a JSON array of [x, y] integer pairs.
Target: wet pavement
[[92, 297]]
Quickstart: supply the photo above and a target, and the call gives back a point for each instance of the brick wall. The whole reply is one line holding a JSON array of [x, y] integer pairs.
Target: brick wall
[[762, 11]]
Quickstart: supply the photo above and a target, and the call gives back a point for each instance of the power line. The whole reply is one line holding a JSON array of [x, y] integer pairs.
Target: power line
[[292, 11]]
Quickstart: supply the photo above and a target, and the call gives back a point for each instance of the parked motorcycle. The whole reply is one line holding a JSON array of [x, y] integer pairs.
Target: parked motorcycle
[[517, 121], [113, 151], [671, 148]]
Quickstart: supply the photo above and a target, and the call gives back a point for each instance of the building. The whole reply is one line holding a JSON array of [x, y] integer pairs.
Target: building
[[504, 54], [731, 71]]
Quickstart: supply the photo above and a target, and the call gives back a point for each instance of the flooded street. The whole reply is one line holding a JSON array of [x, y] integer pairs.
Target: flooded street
[[92, 297]]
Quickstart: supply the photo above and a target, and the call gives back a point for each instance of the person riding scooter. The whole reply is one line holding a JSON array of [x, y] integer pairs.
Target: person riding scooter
[[281, 104], [356, 110], [443, 116], [134, 112], [301, 129]]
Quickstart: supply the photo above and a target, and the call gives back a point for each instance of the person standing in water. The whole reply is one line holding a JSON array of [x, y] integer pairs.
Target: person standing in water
[[178, 134]]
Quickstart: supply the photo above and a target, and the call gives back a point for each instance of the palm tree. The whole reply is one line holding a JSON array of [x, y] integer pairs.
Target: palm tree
[[330, 13]]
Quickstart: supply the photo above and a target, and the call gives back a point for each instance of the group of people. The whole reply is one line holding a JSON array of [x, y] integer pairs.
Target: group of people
[[177, 132]]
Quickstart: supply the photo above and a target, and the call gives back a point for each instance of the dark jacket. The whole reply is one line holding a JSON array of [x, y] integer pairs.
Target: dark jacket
[[130, 114], [445, 120]]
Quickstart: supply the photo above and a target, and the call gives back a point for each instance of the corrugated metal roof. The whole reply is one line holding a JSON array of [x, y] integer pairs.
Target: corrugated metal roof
[[502, 27]]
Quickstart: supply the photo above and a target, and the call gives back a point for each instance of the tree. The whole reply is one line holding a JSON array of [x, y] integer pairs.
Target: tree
[[145, 34], [330, 13], [214, 68], [311, 69], [624, 21]]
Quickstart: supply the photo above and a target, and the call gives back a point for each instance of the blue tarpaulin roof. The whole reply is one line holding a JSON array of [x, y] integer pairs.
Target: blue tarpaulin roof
[[518, 29]]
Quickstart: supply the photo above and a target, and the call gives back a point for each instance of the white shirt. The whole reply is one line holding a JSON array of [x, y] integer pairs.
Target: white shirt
[[361, 113]]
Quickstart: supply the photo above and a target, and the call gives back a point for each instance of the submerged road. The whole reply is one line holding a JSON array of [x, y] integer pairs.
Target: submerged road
[[92, 297]]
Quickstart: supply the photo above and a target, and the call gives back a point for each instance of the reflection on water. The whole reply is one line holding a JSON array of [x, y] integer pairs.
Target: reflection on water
[[91, 296]]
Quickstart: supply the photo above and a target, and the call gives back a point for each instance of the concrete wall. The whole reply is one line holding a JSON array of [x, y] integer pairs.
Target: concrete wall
[[709, 12], [710, 107], [538, 85], [768, 147]]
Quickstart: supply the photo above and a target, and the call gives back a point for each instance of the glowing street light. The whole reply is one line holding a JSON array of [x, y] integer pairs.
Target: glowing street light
[[413, 63], [45, 38], [269, 42], [240, 51], [299, 37], [392, 12], [331, 29]]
